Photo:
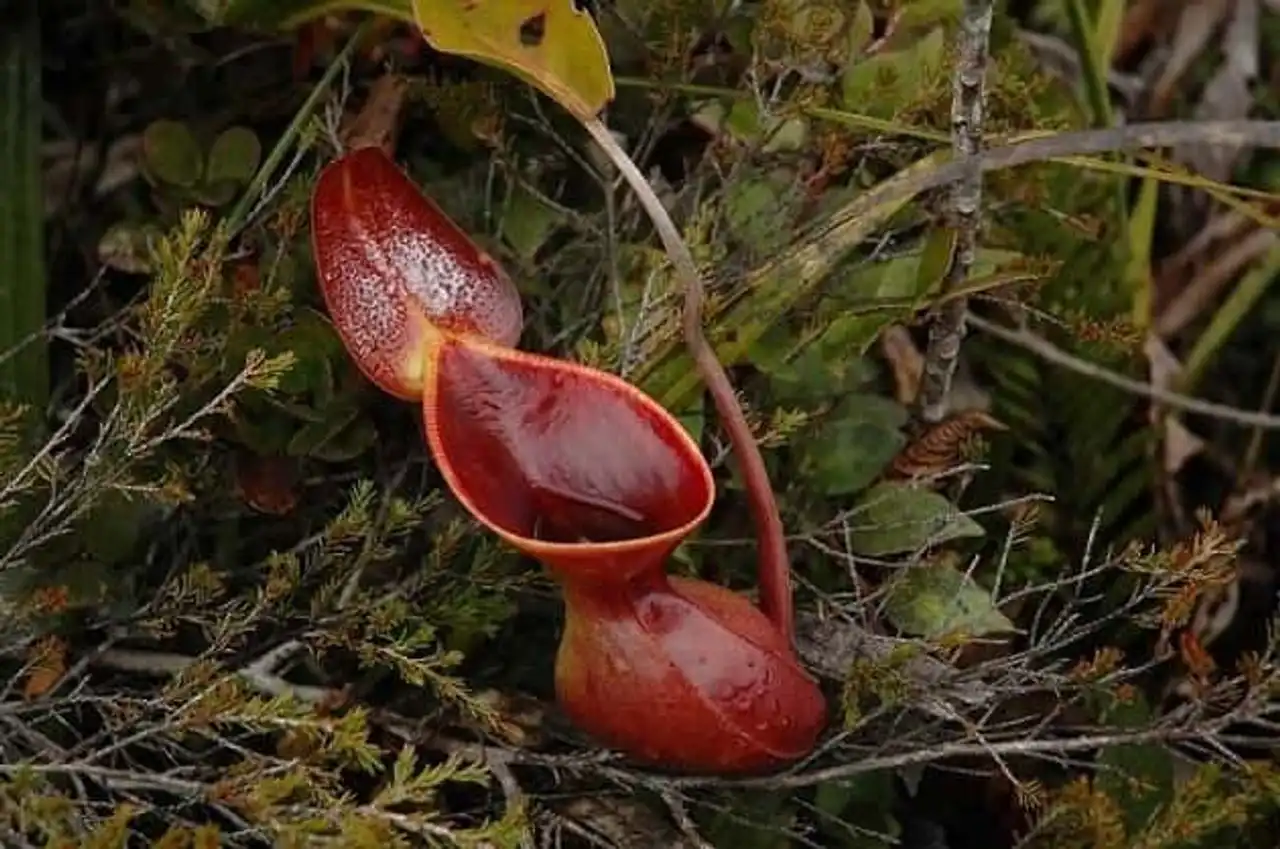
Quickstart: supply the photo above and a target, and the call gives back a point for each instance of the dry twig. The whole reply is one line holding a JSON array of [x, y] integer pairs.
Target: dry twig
[[946, 332], [1054, 355]]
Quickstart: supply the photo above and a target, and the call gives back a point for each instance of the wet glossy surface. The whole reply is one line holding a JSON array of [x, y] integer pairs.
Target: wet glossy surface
[[572, 466], [390, 262], [689, 676], [547, 450], [678, 673]]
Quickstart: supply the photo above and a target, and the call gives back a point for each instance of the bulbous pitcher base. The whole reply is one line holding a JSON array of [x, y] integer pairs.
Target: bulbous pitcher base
[[685, 675]]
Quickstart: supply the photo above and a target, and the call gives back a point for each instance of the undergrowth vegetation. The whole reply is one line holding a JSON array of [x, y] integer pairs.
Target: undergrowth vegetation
[[239, 606]]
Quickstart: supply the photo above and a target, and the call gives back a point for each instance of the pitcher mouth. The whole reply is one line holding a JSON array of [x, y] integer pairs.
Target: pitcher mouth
[[558, 458]]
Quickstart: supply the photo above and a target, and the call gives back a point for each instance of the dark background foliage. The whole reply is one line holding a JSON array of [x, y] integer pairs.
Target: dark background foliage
[[241, 608]]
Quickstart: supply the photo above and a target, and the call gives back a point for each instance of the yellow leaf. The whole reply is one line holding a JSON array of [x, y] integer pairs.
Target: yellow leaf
[[547, 43]]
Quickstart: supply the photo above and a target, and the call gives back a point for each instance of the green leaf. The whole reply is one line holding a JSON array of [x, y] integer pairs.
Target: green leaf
[[215, 194], [739, 118], [878, 85], [1095, 62], [234, 156], [853, 446], [233, 160], [742, 121], [872, 789], [758, 209], [895, 281], [243, 339], [933, 599], [772, 290], [865, 799], [886, 292], [171, 155], [528, 221], [24, 372], [861, 29], [772, 814], [317, 350], [786, 134], [309, 373], [809, 377], [935, 258], [770, 350], [892, 518]]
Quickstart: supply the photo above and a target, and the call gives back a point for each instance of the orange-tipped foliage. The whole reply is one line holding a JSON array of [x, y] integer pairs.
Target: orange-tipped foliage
[[579, 469], [394, 270]]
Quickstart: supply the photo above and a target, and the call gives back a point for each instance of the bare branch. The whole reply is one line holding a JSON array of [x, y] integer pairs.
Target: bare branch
[[1056, 356], [968, 93]]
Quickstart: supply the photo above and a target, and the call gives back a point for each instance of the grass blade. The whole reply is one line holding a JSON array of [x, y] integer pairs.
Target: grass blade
[[24, 361]]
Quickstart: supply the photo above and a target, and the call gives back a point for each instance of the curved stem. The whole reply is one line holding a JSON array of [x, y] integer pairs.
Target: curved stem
[[774, 567]]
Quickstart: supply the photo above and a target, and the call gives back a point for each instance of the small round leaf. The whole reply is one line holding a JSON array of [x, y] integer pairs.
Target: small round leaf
[[851, 448], [528, 222], [234, 156], [171, 155], [216, 194]]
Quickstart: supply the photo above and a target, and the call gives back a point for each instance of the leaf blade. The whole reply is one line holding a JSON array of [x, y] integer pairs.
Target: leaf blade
[[551, 45], [935, 599], [895, 517]]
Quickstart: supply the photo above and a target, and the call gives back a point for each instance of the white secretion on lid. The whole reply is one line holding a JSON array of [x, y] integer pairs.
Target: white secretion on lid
[[366, 307], [453, 289], [421, 268]]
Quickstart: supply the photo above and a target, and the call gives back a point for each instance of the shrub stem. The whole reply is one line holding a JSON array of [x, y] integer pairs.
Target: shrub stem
[[946, 332]]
